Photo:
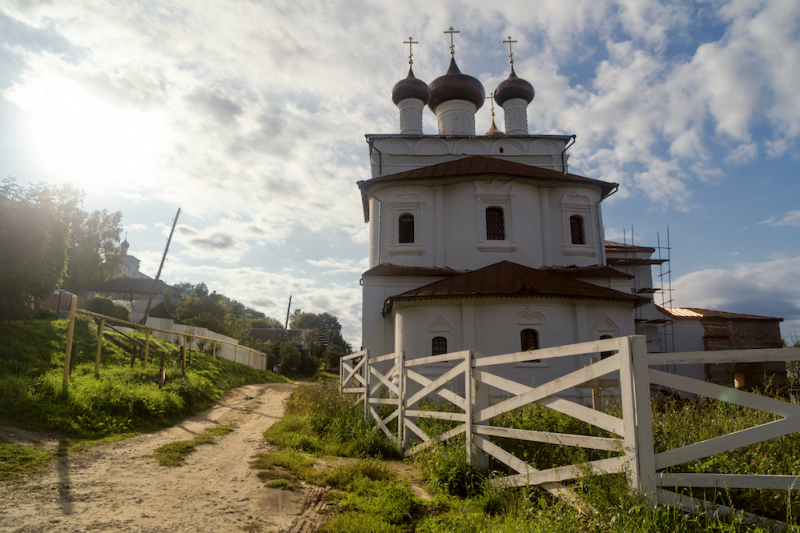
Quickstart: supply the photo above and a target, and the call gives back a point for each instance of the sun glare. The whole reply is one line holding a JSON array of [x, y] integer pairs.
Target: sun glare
[[79, 137]]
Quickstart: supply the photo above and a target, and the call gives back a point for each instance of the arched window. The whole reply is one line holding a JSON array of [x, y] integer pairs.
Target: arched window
[[603, 355], [406, 228], [438, 346], [576, 229], [529, 339], [495, 224]]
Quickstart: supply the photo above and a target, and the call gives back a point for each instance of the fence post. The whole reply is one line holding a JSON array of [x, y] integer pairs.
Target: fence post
[[468, 408], [366, 385], [100, 329], [146, 345], [596, 399], [183, 356], [480, 401], [401, 404], [73, 306], [637, 417], [341, 375]]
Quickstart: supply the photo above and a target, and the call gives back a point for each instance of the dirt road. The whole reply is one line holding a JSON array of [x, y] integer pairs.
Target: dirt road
[[118, 487]]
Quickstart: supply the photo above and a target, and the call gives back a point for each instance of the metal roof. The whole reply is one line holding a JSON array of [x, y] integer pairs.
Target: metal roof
[[612, 246], [389, 269], [513, 280], [591, 271], [696, 312]]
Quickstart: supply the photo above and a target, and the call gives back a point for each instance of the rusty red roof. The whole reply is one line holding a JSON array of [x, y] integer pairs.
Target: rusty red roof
[[389, 269], [619, 247], [591, 271], [696, 312], [478, 165], [512, 279]]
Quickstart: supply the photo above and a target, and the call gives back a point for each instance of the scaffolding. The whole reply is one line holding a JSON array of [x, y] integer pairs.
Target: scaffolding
[[630, 262]]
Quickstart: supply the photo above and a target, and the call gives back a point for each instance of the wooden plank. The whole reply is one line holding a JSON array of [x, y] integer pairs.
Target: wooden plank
[[436, 440], [354, 390], [503, 456], [729, 481], [725, 394], [381, 424], [613, 465], [416, 429], [448, 395], [392, 416], [440, 382], [552, 387], [563, 439], [385, 401], [602, 383], [726, 356], [438, 415], [714, 510], [727, 442], [436, 358], [484, 376], [469, 403], [383, 380], [401, 407], [353, 356], [590, 416], [605, 345], [383, 358]]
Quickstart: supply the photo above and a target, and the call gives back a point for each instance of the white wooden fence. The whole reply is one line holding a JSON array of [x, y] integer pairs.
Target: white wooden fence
[[359, 373]]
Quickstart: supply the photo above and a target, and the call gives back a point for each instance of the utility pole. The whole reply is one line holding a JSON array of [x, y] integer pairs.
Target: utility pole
[[285, 331], [158, 275]]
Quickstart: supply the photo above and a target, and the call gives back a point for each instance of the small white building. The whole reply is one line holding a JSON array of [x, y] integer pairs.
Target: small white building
[[129, 265]]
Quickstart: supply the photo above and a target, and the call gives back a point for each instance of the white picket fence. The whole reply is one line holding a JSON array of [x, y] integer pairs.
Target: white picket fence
[[360, 374]]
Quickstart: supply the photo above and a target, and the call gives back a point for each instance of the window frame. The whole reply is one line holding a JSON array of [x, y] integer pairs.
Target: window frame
[[404, 226]]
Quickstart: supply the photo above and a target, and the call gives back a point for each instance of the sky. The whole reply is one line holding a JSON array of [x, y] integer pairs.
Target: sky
[[250, 117]]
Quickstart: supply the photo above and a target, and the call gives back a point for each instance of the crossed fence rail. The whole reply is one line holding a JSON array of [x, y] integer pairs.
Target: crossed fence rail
[[361, 374]]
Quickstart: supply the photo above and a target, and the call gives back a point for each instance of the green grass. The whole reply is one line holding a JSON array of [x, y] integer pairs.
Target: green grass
[[174, 453], [122, 400], [18, 461], [282, 484]]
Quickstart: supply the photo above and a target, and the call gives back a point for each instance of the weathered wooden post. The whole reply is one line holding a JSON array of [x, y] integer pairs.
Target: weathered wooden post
[[469, 408], [100, 329], [401, 404], [146, 346], [479, 402], [596, 399], [366, 385], [183, 356], [214, 352], [73, 306]]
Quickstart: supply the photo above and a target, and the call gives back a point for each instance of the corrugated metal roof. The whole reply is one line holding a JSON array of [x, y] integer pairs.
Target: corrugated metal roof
[[512, 279], [696, 312]]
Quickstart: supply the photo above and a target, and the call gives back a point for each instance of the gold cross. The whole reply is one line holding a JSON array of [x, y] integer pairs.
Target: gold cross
[[491, 97], [510, 53], [410, 42], [451, 31]]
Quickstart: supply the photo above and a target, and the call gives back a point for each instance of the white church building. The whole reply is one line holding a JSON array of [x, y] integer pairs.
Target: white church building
[[488, 242]]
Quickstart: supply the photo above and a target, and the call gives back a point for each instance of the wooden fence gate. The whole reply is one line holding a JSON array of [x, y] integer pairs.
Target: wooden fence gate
[[634, 431]]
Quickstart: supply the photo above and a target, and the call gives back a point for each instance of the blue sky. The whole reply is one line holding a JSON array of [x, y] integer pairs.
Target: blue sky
[[251, 117]]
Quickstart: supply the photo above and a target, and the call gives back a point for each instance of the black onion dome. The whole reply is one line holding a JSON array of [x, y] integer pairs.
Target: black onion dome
[[456, 86], [411, 87], [513, 87]]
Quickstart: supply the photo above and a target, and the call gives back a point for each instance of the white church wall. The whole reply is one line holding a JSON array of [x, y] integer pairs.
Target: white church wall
[[565, 202]]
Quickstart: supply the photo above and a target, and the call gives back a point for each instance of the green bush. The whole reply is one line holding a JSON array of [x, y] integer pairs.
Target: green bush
[[105, 306]]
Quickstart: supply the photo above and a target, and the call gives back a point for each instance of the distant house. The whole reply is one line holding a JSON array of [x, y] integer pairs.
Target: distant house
[[133, 289], [136, 308], [706, 330]]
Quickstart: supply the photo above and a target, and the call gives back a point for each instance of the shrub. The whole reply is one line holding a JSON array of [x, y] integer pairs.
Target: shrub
[[104, 306]]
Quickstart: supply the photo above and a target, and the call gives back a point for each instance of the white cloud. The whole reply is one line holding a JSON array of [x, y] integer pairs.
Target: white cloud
[[792, 218], [336, 266], [744, 153], [769, 288], [135, 227]]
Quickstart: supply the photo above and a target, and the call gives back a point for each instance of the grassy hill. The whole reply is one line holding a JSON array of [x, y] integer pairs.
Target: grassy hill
[[122, 399]]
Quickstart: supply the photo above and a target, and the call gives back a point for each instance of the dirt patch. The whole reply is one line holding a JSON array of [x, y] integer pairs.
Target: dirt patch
[[119, 487]]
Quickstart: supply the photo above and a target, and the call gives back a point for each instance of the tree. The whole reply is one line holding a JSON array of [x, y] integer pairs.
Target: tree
[[105, 306], [33, 256], [327, 328], [93, 254]]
